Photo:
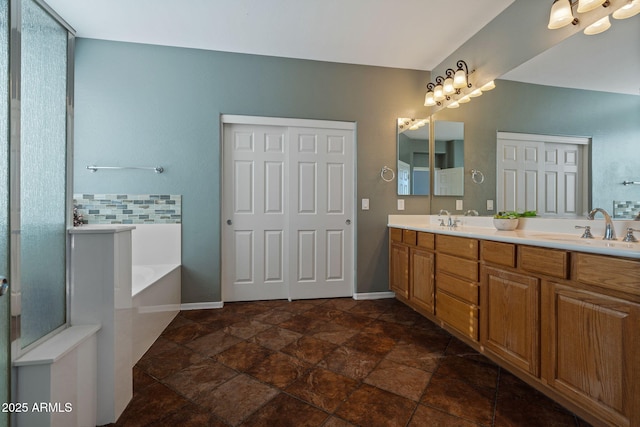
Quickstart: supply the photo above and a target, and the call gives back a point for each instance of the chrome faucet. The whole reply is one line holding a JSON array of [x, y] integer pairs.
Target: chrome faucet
[[451, 222], [609, 230], [444, 212]]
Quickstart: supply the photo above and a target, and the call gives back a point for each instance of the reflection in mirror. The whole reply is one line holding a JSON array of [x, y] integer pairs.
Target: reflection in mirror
[[413, 157], [543, 97], [448, 176]]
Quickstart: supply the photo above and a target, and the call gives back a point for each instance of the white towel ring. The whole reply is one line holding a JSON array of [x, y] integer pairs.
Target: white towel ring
[[385, 170], [477, 176]]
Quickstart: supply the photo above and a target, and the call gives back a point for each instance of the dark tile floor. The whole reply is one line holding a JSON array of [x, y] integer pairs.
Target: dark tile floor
[[332, 363]]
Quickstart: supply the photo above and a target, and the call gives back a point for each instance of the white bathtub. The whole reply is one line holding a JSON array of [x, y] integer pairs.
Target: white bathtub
[[143, 276], [156, 282]]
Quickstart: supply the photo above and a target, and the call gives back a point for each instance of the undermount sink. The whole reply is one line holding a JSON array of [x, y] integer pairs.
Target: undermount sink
[[597, 241], [560, 237]]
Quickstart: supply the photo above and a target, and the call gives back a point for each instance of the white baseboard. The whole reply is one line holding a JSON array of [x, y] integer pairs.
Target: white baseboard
[[374, 295], [220, 304], [201, 305]]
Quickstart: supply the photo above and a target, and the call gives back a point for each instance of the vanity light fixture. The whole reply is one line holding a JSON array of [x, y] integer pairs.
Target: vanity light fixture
[[429, 99], [600, 26], [587, 5], [488, 86], [405, 124], [460, 79], [562, 13], [632, 8], [438, 91], [446, 87]]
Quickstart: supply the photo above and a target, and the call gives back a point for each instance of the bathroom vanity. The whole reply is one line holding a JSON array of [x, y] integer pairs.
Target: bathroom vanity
[[560, 312]]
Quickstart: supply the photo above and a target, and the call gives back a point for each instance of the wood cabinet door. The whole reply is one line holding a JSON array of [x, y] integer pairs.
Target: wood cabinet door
[[510, 324], [399, 269], [422, 279], [593, 351]]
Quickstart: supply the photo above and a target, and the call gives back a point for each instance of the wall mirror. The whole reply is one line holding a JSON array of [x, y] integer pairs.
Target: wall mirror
[[413, 157], [448, 158], [608, 115]]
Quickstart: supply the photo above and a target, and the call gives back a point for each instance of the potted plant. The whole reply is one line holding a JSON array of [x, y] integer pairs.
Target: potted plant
[[508, 221]]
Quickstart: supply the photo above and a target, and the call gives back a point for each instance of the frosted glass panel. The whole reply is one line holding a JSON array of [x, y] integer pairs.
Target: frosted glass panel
[[4, 205], [43, 173]]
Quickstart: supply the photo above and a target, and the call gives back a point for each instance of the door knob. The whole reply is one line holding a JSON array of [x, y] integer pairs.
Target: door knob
[[229, 222], [348, 221]]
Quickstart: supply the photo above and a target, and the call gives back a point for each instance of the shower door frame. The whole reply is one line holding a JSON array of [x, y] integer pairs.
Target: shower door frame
[[14, 169]]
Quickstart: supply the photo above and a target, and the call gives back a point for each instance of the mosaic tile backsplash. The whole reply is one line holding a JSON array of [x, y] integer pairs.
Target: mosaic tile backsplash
[[129, 208], [626, 209]]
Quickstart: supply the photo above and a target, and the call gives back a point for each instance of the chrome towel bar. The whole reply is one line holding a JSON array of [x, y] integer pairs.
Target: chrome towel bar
[[630, 182], [157, 169]]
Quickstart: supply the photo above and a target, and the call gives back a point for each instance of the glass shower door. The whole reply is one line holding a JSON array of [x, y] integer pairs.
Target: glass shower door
[[5, 348]]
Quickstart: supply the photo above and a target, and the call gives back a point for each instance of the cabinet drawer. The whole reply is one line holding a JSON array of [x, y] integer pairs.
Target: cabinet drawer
[[608, 272], [466, 290], [551, 262], [409, 237], [426, 240], [457, 314], [464, 268], [458, 246], [498, 253], [395, 235]]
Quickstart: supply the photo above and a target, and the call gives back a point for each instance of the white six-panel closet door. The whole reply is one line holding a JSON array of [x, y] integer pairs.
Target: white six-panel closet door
[[288, 226], [254, 213], [321, 223]]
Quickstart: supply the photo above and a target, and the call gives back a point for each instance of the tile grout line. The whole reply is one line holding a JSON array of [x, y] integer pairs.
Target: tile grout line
[[495, 397]]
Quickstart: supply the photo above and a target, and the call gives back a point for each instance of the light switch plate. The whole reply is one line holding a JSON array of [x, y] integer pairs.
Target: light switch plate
[[489, 205], [400, 204], [365, 204], [458, 205]]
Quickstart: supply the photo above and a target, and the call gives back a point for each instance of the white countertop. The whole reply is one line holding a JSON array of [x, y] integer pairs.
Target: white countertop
[[545, 232], [100, 229]]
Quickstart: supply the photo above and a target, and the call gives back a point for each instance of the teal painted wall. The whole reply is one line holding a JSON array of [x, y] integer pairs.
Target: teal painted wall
[[152, 105]]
